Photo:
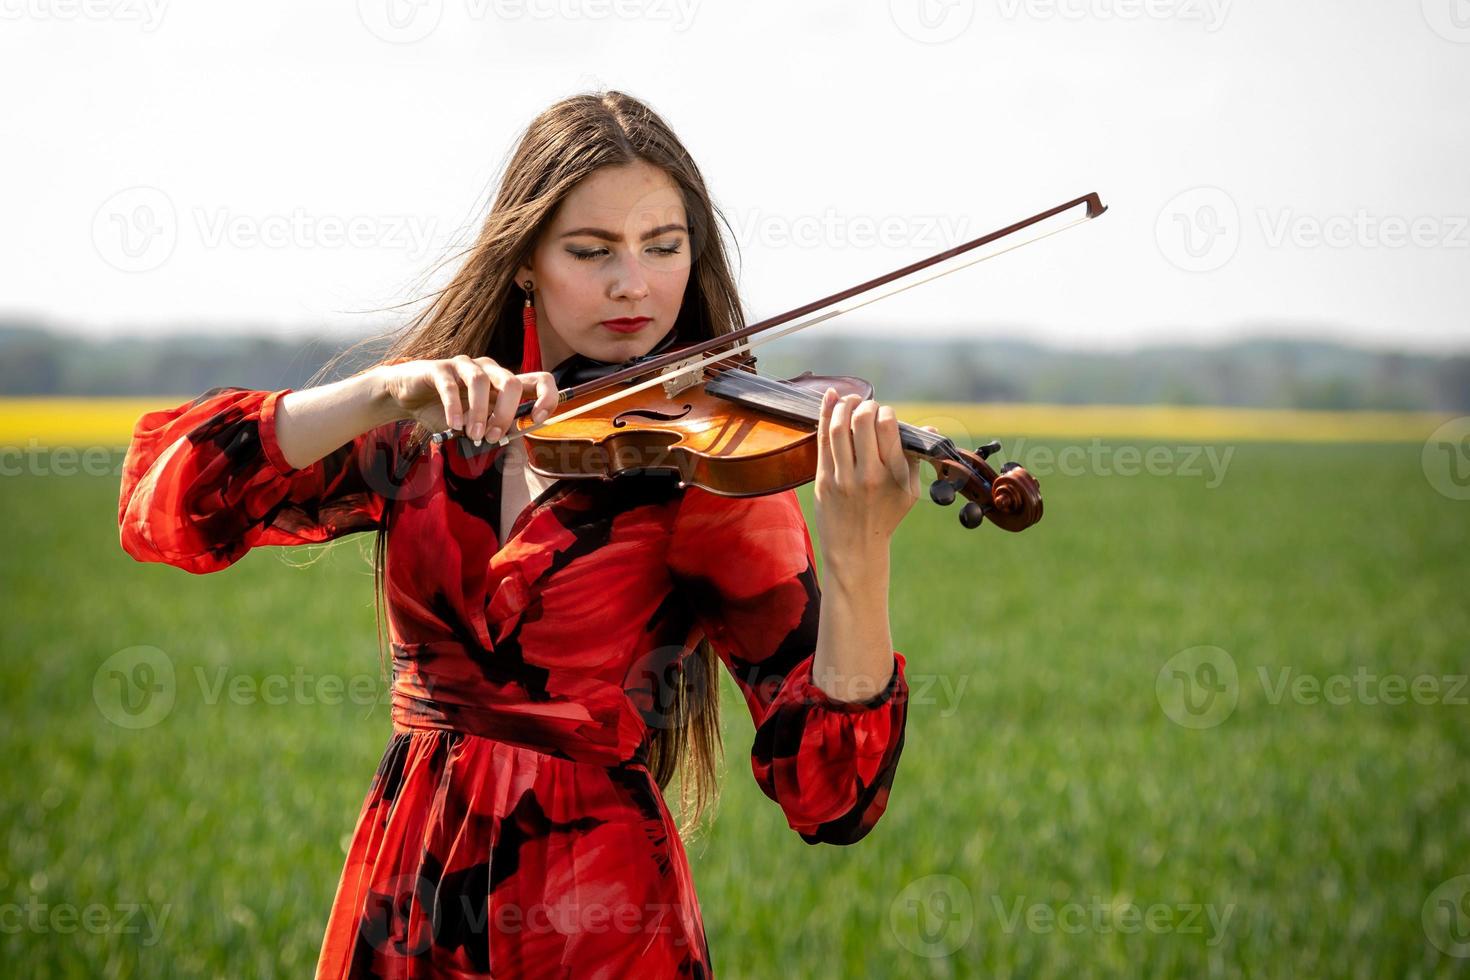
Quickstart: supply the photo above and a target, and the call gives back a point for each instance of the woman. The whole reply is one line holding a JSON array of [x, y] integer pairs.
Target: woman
[[556, 643]]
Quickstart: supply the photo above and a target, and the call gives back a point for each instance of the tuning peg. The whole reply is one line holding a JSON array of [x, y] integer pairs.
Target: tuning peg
[[972, 514], [985, 451], [1010, 466], [942, 491]]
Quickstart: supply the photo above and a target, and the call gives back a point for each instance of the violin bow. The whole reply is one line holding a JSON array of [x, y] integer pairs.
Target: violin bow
[[687, 361]]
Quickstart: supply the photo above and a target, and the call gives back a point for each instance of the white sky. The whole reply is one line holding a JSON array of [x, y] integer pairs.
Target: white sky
[[1267, 163]]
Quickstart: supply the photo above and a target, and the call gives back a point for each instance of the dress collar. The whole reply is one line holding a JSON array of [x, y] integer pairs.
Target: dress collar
[[579, 369]]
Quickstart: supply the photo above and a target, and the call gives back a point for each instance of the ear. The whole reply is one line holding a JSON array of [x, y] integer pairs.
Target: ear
[[523, 272]]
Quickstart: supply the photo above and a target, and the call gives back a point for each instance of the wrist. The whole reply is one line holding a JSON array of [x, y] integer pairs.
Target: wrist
[[856, 567], [382, 406]]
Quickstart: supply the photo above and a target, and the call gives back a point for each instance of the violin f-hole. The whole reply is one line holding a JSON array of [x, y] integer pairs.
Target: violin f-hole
[[648, 413]]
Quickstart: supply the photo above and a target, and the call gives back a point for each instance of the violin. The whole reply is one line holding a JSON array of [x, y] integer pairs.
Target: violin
[[720, 425]]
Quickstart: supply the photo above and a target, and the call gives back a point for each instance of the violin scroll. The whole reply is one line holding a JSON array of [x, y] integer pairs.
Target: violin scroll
[[1010, 498]]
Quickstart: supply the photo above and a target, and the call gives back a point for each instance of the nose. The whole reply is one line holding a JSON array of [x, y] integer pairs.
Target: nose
[[630, 283]]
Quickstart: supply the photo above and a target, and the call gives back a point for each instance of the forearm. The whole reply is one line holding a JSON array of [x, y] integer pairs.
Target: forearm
[[314, 421], [854, 658]]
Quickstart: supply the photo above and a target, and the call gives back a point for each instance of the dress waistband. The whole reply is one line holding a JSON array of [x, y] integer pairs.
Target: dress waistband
[[411, 714]]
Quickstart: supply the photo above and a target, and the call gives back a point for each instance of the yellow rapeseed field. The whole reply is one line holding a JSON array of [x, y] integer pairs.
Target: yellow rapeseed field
[[43, 422]]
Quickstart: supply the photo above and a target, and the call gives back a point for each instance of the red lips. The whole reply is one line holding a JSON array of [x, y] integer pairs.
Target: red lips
[[627, 324]]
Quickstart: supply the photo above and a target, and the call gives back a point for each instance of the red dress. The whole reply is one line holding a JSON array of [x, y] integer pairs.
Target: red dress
[[513, 828]]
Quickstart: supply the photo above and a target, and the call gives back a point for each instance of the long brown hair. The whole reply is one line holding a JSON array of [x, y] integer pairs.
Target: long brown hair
[[479, 313]]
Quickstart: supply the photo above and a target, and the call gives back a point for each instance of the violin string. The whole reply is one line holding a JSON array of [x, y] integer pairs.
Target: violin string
[[802, 401], [809, 405]]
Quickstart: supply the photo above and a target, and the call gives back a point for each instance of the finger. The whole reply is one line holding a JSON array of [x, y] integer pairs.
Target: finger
[[916, 464], [933, 464], [506, 401], [446, 382], [840, 434], [547, 396], [825, 467], [868, 460], [478, 386], [824, 440], [890, 444]]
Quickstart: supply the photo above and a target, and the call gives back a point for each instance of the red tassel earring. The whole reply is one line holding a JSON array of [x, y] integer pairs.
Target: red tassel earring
[[530, 341]]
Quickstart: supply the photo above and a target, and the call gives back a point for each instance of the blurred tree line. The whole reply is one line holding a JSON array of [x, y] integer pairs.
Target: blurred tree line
[[1269, 373]]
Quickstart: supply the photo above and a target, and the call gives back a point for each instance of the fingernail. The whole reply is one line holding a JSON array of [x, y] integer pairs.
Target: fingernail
[[476, 431], [494, 433]]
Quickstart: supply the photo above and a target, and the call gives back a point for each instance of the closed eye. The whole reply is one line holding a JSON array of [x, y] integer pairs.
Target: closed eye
[[592, 253]]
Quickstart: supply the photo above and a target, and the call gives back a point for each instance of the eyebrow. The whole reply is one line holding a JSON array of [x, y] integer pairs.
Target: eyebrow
[[609, 236]]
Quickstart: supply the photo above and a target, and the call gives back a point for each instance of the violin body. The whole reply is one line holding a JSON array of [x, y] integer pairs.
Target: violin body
[[739, 434], [704, 439]]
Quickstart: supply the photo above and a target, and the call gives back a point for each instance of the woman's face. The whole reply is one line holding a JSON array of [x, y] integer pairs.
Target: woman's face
[[617, 247]]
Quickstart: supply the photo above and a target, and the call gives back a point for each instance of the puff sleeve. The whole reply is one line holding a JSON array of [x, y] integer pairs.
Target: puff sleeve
[[747, 567], [205, 482]]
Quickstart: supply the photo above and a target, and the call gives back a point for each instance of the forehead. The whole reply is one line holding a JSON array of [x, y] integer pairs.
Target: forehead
[[616, 198]]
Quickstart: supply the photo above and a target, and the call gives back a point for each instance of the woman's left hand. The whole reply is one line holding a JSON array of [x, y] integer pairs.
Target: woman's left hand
[[865, 483]]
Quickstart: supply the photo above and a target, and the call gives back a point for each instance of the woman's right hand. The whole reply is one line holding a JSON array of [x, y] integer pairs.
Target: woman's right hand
[[473, 394]]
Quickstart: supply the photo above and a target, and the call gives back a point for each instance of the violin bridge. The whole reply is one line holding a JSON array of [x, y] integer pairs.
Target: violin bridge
[[674, 385]]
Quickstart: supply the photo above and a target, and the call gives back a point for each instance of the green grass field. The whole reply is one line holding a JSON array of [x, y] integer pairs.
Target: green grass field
[[1050, 818]]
